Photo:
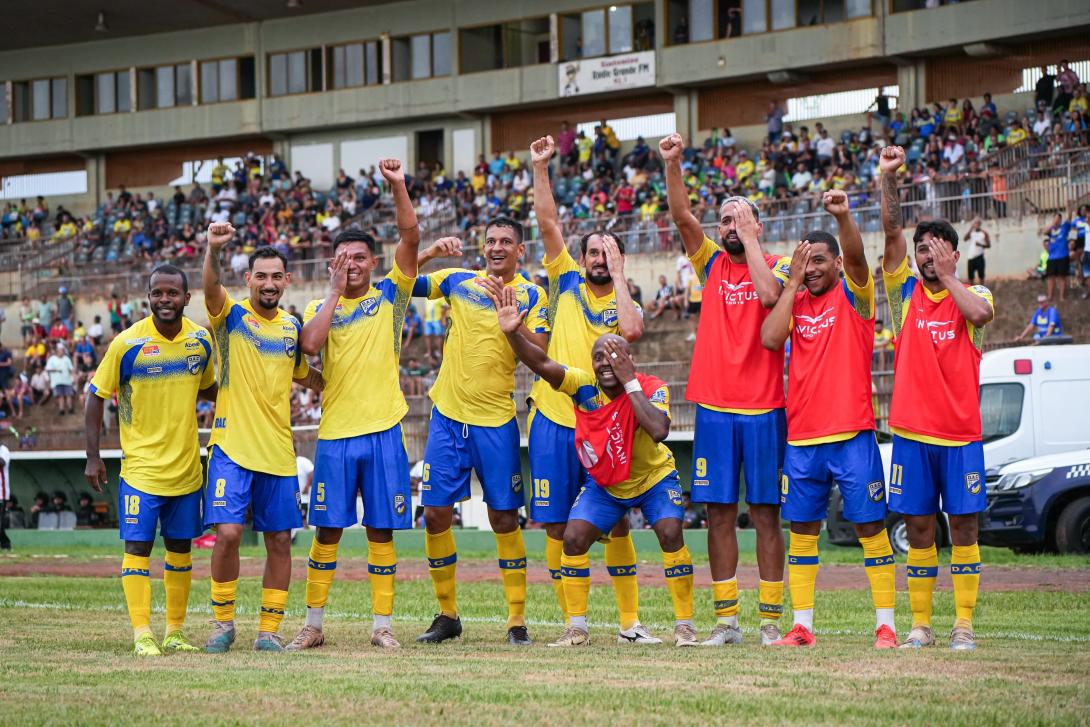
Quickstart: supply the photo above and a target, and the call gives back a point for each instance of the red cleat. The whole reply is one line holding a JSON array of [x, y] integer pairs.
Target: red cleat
[[885, 638], [799, 635]]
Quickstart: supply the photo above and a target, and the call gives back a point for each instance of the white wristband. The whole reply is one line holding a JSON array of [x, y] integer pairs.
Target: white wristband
[[632, 387]]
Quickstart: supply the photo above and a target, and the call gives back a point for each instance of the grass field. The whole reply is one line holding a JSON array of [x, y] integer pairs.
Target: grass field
[[64, 660]]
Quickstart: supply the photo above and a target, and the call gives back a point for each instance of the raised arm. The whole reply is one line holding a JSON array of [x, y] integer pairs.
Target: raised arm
[[315, 331], [511, 323], [95, 471], [629, 320], [745, 224], [889, 162], [651, 419], [443, 247], [777, 326], [851, 242], [548, 221], [219, 234], [408, 230], [973, 307], [692, 234]]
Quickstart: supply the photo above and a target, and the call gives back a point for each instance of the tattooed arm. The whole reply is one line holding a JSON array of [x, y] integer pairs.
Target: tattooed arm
[[892, 221]]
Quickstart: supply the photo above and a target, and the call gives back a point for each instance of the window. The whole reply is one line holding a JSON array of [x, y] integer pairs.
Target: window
[[633, 127], [1000, 410], [293, 72], [3, 103], [48, 184], [227, 79], [842, 103], [609, 30], [693, 21], [109, 93], [594, 33], [507, 45], [37, 100], [164, 87], [428, 55], [352, 65], [620, 29]]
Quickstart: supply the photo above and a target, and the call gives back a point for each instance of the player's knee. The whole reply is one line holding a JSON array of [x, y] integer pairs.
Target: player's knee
[[621, 529], [577, 541], [331, 536], [178, 546], [722, 516], [765, 517], [438, 519], [921, 530], [963, 529], [139, 548], [228, 535], [669, 533], [278, 543], [555, 530], [503, 521], [867, 530]]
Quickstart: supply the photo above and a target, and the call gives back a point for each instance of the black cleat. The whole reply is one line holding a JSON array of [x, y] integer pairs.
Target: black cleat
[[441, 629], [517, 636]]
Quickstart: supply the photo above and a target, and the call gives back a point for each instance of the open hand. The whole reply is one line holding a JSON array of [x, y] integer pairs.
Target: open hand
[[799, 259], [614, 258], [505, 299], [95, 473], [624, 368], [942, 257], [338, 271]]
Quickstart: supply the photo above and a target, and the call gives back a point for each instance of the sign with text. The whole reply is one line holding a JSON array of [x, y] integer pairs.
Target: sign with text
[[611, 73]]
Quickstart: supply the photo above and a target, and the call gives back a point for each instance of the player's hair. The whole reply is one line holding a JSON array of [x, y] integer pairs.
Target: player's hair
[[938, 228], [169, 270], [267, 251], [346, 236], [825, 238], [504, 221], [744, 200], [602, 233]]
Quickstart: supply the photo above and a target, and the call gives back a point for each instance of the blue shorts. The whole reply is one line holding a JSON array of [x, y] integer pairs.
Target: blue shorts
[[178, 516], [855, 465], [232, 489], [602, 510], [725, 444], [434, 328], [923, 475], [455, 448], [555, 470], [373, 465]]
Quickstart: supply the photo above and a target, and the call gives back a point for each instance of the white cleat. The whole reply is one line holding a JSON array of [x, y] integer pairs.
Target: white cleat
[[636, 635], [769, 634], [722, 635], [685, 635]]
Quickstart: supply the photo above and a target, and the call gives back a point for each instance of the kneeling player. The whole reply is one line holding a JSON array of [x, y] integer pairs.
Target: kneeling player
[[158, 367], [621, 420], [830, 421]]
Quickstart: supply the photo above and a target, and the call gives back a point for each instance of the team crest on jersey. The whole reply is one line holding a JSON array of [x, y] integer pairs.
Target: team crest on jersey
[[659, 397], [516, 483], [674, 495], [609, 317], [151, 350], [399, 504], [289, 346], [369, 307], [972, 482], [876, 491], [193, 364]]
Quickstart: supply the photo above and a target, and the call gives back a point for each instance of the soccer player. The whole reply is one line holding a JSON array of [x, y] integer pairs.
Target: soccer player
[[583, 305], [622, 419], [473, 423], [251, 460], [738, 387], [830, 420], [158, 368], [938, 458], [356, 329]]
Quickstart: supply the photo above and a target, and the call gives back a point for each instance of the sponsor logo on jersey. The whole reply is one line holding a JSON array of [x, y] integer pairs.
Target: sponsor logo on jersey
[[939, 330], [972, 482], [810, 326], [399, 504], [155, 369], [289, 346], [253, 322], [737, 293], [876, 491], [192, 345], [150, 350], [193, 364]]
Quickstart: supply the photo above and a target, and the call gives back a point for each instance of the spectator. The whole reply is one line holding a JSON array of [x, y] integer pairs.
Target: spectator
[[694, 516], [413, 326], [7, 367], [634, 292], [979, 241], [59, 502], [1069, 81], [61, 369], [695, 293], [41, 504], [86, 515], [664, 299], [883, 345], [95, 332], [36, 352], [114, 309], [1059, 256], [26, 317], [1045, 319], [46, 311], [58, 332], [774, 122], [1044, 89], [22, 395]]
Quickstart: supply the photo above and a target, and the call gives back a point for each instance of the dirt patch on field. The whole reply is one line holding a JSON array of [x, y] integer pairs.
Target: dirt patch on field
[[831, 577]]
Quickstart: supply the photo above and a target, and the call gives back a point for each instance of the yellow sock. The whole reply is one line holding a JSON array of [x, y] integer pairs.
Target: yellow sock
[[770, 601], [965, 573], [923, 569], [881, 570], [321, 567], [177, 579], [381, 568], [273, 601], [442, 564], [575, 572], [621, 565], [802, 569], [554, 550], [679, 579], [512, 558], [136, 583], [725, 595], [223, 599]]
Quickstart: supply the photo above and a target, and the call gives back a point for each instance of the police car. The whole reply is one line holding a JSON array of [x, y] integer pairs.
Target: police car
[[1041, 503]]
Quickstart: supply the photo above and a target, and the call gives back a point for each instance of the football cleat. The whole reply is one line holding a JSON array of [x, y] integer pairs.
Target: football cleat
[[962, 638], [885, 638], [384, 639], [442, 628], [268, 642], [177, 642], [684, 635], [636, 635], [146, 646], [723, 634], [799, 635], [572, 637], [919, 637], [770, 633], [309, 637], [518, 636], [221, 638]]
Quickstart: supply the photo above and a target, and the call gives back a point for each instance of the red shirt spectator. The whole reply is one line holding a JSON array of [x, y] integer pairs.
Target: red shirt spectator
[[59, 332]]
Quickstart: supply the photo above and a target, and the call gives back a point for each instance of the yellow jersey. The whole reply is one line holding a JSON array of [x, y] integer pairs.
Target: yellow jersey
[[257, 359], [360, 360], [577, 318], [651, 461], [476, 381], [156, 380]]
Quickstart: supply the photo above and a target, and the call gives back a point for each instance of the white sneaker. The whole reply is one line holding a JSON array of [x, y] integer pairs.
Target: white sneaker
[[722, 635], [684, 635], [572, 637], [636, 635], [769, 633]]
